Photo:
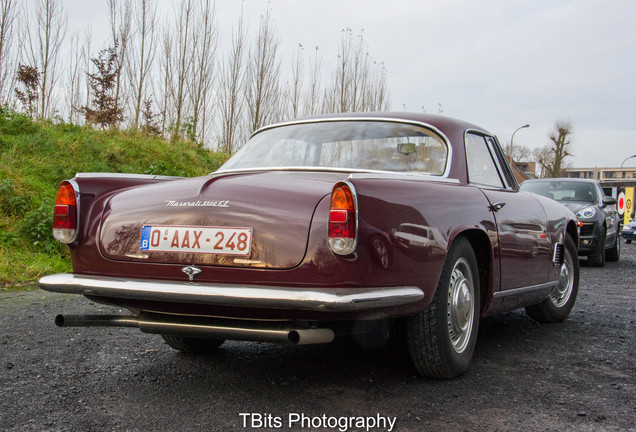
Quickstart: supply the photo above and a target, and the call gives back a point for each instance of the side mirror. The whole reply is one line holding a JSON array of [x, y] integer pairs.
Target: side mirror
[[608, 200]]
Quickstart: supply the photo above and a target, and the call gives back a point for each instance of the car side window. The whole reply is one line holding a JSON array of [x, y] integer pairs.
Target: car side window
[[481, 165], [600, 194]]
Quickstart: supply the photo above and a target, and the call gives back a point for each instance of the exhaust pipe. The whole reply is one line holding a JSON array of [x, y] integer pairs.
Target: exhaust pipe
[[96, 321], [204, 327]]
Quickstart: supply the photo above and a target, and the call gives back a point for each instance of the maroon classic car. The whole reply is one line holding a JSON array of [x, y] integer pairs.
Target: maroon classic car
[[319, 228]]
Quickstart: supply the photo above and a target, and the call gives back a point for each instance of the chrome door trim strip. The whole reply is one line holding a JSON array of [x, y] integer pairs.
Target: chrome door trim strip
[[525, 289]]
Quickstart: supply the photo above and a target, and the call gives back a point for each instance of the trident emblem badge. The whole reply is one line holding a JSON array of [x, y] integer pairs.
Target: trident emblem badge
[[191, 272]]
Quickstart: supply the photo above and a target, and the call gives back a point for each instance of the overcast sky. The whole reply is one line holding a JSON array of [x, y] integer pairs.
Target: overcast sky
[[496, 63]]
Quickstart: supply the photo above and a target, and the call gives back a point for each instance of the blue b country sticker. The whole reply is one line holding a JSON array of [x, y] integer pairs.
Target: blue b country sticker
[[145, 237]]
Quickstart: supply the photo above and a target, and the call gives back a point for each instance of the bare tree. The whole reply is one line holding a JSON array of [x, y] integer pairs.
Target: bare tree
[[360, 74], [46, 31], [8, 14], [551, 158], [519, 152], [165, 86], [313, 102], [75, 75], [262, 86], [183, 63], [86, 64], [142, 55], [359, 83], [296, 87], [337, 99], [120, 30], [379, 95], [204, 45], [230, 86]]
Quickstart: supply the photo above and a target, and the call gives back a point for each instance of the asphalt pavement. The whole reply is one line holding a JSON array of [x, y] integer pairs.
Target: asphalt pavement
[[576, 375]]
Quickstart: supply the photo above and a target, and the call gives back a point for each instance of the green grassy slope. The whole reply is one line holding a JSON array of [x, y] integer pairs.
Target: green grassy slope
[[36, 156]]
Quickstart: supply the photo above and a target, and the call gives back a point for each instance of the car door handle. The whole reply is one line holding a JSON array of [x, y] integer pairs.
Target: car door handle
[[497, 206]]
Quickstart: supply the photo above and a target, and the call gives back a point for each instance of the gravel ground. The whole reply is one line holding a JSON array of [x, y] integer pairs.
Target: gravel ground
[[576, 375]]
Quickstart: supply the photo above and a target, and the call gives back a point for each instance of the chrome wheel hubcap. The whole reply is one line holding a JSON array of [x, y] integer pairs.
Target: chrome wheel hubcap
[[460, 306], [561, 293]]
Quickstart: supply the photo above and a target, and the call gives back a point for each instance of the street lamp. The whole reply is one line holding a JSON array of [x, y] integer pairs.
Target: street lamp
[[626, 159], [513, 137]]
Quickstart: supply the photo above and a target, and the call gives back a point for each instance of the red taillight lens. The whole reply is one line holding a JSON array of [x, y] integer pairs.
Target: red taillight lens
[[343, 219], [65, 214]]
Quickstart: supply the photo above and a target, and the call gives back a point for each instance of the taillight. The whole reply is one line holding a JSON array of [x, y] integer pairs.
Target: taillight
[[343, 219], [65, 214]]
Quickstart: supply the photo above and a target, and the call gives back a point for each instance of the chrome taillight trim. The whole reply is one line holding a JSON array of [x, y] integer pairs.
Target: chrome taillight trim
[[76, 192], [354, 244]]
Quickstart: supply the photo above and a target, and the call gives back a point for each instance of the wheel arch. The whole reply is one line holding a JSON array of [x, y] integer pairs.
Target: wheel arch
[[573, 231], [480, 242]]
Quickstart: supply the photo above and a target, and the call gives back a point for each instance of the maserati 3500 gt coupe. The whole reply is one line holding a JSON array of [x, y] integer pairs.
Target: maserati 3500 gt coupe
[[320, 228]]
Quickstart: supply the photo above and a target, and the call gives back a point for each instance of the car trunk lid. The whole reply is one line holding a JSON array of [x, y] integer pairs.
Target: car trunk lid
[[255, 219]]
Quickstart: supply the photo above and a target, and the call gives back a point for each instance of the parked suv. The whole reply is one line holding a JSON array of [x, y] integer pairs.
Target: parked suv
[[629, 231], [597, 214]]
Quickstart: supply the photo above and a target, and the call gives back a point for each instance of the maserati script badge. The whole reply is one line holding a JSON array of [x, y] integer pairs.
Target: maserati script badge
[[172, 203], [191, 272]]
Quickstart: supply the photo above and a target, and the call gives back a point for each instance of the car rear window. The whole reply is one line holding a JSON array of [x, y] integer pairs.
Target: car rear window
[[359, 145]]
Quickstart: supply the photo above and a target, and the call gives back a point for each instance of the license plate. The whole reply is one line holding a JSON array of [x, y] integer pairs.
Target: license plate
[[196, 239]]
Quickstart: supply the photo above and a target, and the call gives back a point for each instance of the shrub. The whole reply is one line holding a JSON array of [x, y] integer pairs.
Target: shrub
[[11, 203], [37, 226]]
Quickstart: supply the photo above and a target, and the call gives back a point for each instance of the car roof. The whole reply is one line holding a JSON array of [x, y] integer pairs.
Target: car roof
[[444, 124]]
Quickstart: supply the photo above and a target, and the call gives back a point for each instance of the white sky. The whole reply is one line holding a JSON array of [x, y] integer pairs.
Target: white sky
[[496, 63]]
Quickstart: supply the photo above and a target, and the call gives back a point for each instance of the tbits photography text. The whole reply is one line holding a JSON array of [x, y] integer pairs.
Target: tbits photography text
[[316, 422]]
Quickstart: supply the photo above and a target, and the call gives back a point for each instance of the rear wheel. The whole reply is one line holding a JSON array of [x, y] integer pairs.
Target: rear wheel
[[561, 300], [628, 241], [441, 339], [614, 253], [192, 345]]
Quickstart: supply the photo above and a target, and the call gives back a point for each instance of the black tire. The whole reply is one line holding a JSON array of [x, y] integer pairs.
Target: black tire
[[441, 339], [628, 241], [557, 306], [614, 253], [598, 259], [192, 345]]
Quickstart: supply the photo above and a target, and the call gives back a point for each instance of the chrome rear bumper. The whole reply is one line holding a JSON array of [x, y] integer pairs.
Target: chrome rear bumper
[[252, 296]]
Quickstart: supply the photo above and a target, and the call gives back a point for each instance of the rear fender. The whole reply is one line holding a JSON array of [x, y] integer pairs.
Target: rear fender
[[91, 186]]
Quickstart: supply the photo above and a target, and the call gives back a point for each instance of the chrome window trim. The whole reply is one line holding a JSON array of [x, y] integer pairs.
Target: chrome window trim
[[354, 173], [125, 176], [495, 159], [396, 175], [432, 128], [509, 175]]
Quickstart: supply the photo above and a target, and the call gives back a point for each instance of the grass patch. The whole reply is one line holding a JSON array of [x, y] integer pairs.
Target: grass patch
[[35, 156]]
